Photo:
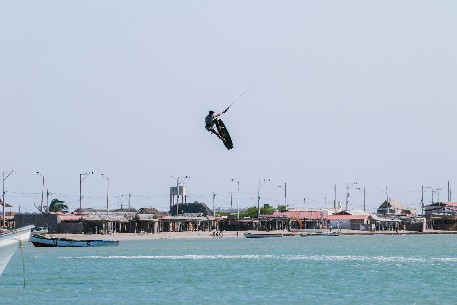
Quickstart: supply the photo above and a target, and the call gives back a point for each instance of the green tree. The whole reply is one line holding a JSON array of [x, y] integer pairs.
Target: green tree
[[282, 208], [252, 211], [58, 206]]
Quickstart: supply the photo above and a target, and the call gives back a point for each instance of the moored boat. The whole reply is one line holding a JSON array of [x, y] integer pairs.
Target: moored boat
[[43, 241], [306, 234], [261, 235], [10, 241]]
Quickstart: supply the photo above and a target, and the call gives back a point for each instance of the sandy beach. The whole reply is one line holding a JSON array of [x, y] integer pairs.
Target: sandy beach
[[227, 234]]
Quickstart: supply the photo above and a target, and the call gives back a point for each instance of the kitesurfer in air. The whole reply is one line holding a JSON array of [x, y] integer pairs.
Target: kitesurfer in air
[[210, 121]]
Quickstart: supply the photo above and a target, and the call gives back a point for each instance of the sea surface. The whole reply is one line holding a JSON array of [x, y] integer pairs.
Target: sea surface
[[291, 270]]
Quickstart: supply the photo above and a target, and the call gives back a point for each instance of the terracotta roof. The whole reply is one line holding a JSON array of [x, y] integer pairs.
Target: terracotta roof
[[346, 217], [69, 217], [298, 214]]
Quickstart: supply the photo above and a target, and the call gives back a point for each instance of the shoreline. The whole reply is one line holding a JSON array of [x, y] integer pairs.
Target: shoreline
[[229, 234]]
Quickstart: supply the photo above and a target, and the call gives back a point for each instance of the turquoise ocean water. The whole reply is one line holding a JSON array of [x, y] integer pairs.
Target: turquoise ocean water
[[291, 270]]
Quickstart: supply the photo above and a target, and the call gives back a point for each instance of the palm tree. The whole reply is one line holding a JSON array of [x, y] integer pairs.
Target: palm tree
[[58, 206]]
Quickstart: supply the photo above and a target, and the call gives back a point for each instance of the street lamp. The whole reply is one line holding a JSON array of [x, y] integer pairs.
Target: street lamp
[[423, 188], [436, 191], [362, 195], [348, 194], [214, 207], [177, 190], [284, 187], [107, 192], [237, 197], [129, 196], [81, 176], [261, 182], [4, 177], [42, 189]]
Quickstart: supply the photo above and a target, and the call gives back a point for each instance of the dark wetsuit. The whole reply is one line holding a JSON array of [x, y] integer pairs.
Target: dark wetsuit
[[209, 122]]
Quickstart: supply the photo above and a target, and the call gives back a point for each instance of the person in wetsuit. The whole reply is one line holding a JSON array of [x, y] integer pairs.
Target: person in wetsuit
[[209, 123]]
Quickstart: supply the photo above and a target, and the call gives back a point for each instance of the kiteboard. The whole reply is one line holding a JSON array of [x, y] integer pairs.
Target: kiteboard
[[227, 140]]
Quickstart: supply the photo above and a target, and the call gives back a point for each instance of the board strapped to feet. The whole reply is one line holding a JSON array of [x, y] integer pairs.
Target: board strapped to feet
[[227, 140]]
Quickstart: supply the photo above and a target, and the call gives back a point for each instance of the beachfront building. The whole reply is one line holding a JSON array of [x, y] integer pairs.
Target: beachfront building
[[350, 220], [443, 207], [189, 222], [394, 208], [245, 224], [297, 219], [441, 215]]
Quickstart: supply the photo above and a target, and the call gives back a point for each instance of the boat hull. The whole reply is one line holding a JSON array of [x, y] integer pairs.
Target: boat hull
[[9, 242], [260, 235], [319, 234], [41, 241]]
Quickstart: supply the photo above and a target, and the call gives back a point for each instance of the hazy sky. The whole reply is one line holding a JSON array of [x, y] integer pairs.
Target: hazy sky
[[338, 91]]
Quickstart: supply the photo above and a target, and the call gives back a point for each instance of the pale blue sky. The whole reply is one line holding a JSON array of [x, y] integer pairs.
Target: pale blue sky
[[338, 91]]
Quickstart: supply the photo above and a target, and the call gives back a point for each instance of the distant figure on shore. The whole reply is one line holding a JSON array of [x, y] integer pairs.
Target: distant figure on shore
[[216, 234]]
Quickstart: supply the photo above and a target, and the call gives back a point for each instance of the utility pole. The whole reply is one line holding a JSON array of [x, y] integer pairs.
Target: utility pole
[[364, 197], [81, 176], [130, 196], [231, 200], [237, 197], [47, 201], [214, 207], [107, 196], [177, 197], [347, 197], [177, 190], [4, 177], [42, 190], [422, 198], [265, 180], [107, 193], [42, 195], [334, 198], [258, 203], [283, 187], [238, 200], [80, 192]]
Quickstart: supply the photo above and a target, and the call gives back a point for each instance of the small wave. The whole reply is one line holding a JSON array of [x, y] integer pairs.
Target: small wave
[[171, 257], [357, 258], [332, 258], [444, 259]]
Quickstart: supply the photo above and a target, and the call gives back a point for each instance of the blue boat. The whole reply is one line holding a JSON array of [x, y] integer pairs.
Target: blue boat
[[43, 241]]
